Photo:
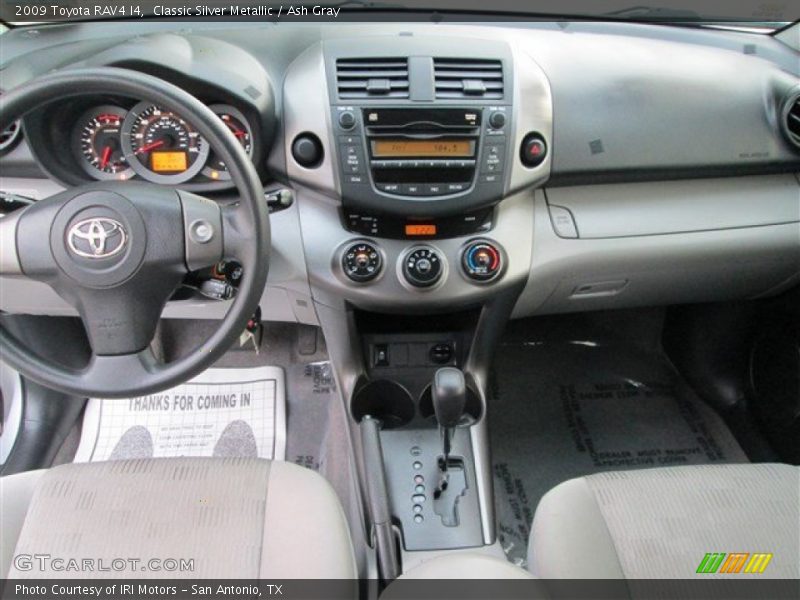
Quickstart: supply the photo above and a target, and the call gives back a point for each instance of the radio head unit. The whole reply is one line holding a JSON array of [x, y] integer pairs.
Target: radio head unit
[[443, 160]]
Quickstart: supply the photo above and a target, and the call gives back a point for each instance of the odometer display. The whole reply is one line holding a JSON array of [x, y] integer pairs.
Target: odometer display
[[168, 162], [162, 146]]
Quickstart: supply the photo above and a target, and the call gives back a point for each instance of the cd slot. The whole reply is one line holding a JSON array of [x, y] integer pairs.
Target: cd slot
[[422, 118]]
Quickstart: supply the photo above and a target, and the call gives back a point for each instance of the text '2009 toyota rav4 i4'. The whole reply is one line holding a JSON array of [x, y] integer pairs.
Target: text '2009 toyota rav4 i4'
[[410, 300]]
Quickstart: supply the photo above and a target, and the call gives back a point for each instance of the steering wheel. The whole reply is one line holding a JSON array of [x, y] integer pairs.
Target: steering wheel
[[117, 250]]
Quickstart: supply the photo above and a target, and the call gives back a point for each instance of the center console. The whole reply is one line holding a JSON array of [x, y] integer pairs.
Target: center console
[[414, 167]]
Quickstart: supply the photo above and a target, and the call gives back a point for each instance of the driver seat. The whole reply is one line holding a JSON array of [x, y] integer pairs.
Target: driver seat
[[236, 518]]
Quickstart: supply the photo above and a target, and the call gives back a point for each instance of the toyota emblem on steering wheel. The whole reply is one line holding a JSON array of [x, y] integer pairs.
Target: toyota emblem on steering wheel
[[99, 237]]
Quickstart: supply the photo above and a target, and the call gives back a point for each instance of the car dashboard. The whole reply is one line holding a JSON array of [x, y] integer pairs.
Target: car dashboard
[[561, 167]]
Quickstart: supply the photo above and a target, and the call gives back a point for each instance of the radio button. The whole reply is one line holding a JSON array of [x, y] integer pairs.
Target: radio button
[[392, 188], [390, 164], [412, 189], [352, 160], [457, 187], [434, 189], [493, 158], [497, 120], [356, 179], [347, 119]]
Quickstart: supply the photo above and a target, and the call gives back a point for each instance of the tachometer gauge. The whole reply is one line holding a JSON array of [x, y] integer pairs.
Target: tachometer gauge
[[162, 146], [240, 127], [97, 145]]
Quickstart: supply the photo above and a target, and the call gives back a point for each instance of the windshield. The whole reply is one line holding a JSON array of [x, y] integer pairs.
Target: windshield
[[753, 14]]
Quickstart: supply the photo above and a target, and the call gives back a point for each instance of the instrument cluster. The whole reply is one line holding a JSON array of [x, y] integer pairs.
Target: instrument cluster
[[152, 143]]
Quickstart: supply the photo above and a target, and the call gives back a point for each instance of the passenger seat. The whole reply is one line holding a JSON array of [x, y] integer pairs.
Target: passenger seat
[[661, 523]]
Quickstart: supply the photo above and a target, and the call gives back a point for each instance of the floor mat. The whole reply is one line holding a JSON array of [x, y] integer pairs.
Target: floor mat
[[565, 409], [221, 412]]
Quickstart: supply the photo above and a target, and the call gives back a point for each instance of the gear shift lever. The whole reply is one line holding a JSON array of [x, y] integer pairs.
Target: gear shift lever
[[449, 393]]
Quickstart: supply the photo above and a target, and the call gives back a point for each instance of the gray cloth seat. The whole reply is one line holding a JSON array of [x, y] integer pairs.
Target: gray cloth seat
[[661, 523], [232, 518]]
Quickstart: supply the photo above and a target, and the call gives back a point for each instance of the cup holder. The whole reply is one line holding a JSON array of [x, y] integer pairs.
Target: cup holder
[[472, 407], [385, 400]]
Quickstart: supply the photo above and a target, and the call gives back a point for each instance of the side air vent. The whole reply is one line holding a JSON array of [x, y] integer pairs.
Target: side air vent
[[10, 135], [463, 78], [372, 78], [791, 119]]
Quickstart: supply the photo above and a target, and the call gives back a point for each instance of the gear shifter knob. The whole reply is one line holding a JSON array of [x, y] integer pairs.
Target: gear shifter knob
[[449, 393]]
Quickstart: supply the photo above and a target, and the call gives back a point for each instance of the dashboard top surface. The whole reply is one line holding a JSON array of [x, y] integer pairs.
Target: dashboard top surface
[[628, 99]]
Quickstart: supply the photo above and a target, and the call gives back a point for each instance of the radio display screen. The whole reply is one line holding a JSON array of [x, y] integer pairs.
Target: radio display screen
[[440, 148]]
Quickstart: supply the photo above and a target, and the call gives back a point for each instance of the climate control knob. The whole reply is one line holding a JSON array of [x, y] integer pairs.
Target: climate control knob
[[481, 261], [422, 267], [362, 262]]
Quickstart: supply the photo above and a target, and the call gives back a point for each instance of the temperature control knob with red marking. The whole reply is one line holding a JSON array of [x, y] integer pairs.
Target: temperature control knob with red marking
[[482, 261], [362, 262]]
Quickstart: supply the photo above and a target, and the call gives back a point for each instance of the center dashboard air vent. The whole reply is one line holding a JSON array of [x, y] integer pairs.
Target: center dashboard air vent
[[458, 78], [372, 78], [791, 119]]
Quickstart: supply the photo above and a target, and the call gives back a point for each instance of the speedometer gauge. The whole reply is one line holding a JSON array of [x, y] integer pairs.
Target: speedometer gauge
[[240, 128], [162, 146], [96, 143]]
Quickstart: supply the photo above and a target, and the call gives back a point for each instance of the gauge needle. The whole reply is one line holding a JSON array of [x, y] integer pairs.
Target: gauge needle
[[105, 157], [149, 147], [236, 131]]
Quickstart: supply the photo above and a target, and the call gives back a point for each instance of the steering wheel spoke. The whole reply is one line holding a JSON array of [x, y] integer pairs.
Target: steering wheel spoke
[[237, 241], [121, 320], [202, 229], [9, 256], [121, 370], [24, 251]]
